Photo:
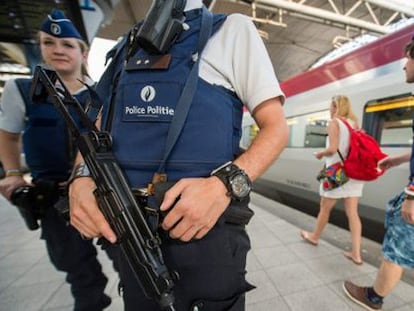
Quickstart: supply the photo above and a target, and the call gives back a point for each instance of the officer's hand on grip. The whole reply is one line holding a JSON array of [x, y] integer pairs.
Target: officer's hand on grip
[[85, 215], [8, 184], [201, 202]]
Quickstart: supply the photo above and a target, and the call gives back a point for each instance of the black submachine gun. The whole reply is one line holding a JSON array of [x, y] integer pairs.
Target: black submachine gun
[[116, 201]]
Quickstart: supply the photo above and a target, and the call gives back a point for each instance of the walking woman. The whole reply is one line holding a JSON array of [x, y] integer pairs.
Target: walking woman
[[338, 140]]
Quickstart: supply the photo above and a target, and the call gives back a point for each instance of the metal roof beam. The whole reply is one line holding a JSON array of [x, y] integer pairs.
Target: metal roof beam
[[107, 8], [400, 8], [212, 4], [371, 12], [273, 5]]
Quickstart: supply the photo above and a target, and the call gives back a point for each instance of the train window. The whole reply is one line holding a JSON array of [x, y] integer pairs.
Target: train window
[[249, 134], [389, 120], [308, 130], [249, 130]]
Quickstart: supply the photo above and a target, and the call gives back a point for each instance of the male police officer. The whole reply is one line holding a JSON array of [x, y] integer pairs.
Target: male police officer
[[49, 154], [143, 89]]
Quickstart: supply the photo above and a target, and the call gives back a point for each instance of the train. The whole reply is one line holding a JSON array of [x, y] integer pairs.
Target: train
[[372, 77]]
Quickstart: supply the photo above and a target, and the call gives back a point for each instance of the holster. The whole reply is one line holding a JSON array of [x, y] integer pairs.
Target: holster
[[33, 201], [238, 212], [22, 198]]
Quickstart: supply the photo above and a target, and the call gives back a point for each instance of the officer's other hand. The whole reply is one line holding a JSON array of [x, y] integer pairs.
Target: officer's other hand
[[85, 215], [201, 203], [8, 184], [407, 211]]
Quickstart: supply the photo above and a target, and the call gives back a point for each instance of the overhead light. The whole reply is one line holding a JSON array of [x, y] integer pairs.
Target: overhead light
[[263, 34], [338, 41], [268, 21]]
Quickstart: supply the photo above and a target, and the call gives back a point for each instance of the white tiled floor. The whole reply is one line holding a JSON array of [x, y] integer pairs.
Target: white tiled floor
[[290, 275]]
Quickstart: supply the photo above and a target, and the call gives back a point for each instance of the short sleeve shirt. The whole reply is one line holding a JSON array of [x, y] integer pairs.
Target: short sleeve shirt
[[236, 58]]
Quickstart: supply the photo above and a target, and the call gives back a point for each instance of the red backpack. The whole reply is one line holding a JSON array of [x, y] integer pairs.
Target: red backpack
[[363, 156]]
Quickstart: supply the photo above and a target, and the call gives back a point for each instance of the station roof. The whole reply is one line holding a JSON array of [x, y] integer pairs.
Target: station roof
[[296, 33], [20, 21]]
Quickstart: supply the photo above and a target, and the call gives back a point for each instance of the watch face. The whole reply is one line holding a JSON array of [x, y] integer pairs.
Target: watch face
[[240, 186]]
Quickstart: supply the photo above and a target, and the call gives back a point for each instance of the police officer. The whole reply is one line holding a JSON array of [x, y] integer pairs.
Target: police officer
[[50, 154], [204, 237]]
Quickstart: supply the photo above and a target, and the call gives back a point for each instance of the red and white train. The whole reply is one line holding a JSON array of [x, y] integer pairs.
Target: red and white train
[[373, 78]]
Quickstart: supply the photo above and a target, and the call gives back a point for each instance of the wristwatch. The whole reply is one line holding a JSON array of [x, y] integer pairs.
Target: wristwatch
[[237, 182]]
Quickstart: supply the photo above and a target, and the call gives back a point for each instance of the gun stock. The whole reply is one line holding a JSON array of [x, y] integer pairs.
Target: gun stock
[[115, 199]]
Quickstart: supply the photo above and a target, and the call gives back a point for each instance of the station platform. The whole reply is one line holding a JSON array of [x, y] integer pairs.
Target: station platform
[[290, 275]]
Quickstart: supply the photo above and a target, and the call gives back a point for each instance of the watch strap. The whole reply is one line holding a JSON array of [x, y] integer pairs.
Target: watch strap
[[409, 197], [225, 172], [80, 170], [14, 172], [223, 176], [214, 172]]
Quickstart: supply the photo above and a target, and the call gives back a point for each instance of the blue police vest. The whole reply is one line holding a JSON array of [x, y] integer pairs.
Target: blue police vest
[[47, 143], [144, 106]]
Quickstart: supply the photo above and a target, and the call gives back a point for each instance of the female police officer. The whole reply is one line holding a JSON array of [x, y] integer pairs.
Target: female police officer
[[48, 154], [141, 92]]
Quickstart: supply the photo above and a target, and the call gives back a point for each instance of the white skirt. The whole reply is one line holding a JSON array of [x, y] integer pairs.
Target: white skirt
[[353, 188]]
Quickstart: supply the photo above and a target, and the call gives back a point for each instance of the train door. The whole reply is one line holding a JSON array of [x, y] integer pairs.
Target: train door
[[390, 121]]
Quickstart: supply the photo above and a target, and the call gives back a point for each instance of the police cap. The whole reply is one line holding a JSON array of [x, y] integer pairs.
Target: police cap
[[58, 25]]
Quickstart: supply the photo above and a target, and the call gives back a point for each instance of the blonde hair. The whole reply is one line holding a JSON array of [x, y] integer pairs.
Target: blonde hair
[[85, 49], [344, 108]]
